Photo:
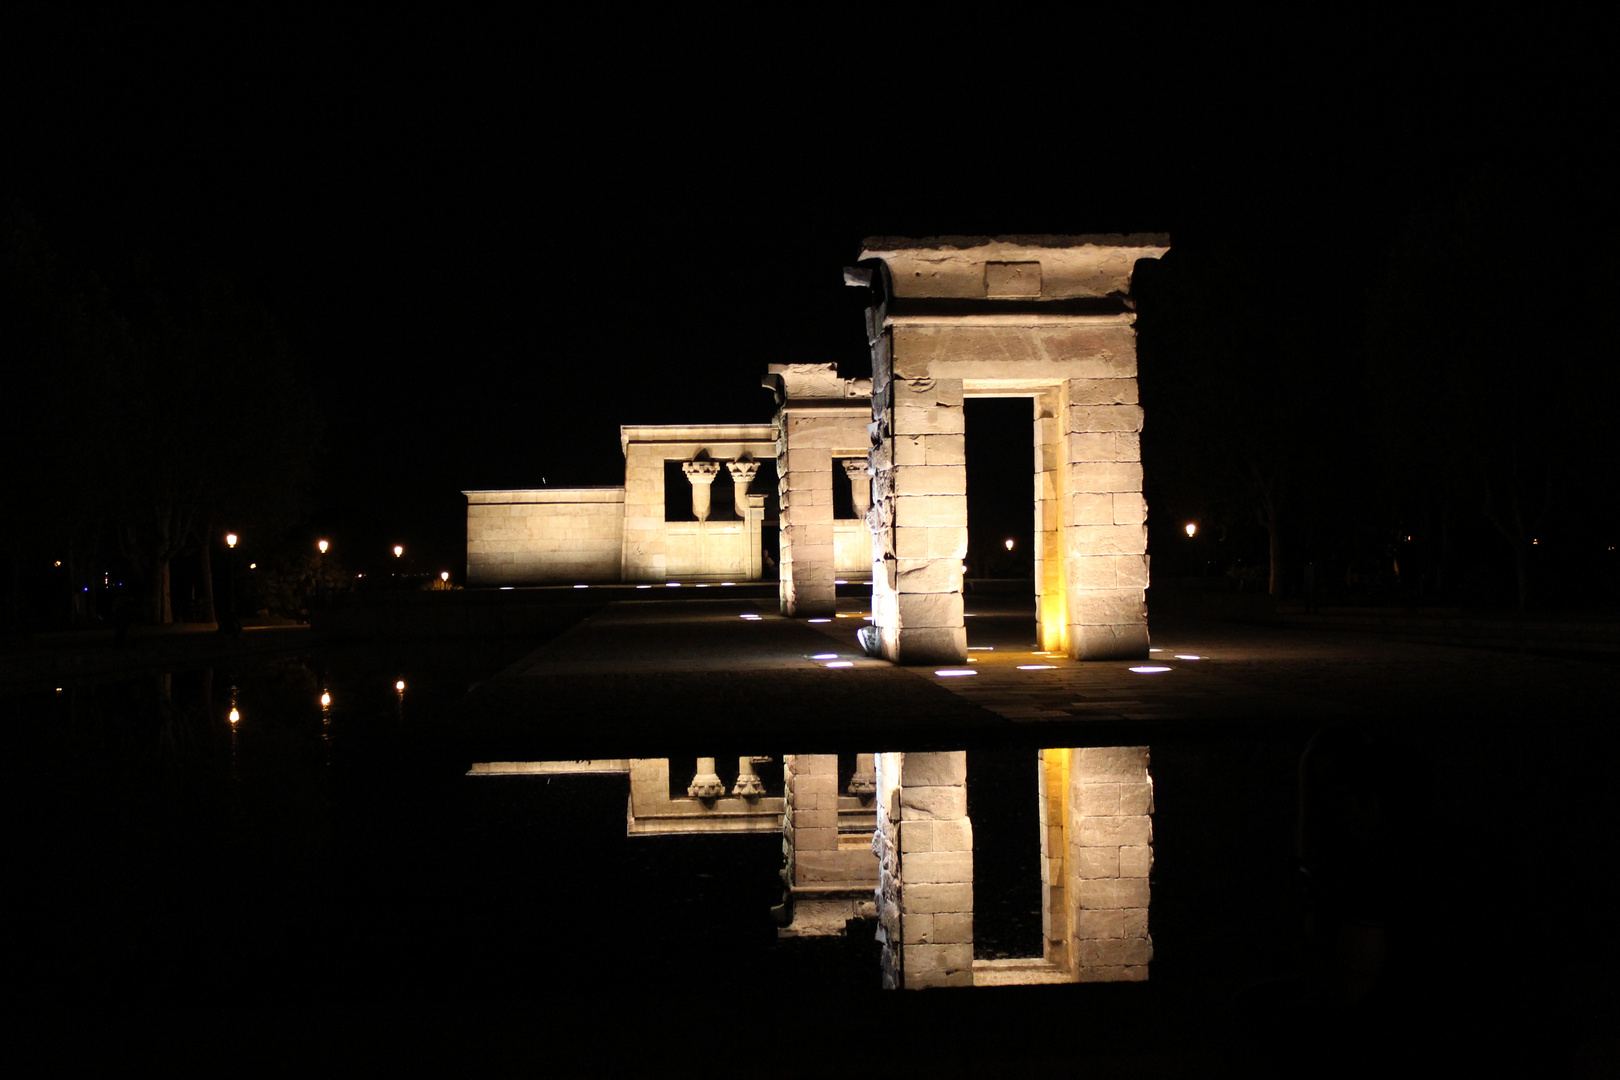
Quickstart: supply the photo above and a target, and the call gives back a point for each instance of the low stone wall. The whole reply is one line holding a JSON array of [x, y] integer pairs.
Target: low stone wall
[[550, 536]]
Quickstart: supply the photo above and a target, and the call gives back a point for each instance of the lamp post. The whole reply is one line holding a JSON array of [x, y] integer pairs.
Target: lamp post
[[320, 573], [230, 585]]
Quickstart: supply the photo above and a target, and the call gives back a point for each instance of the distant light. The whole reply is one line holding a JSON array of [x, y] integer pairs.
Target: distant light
[[253, 566], [702, 585], [58, 689], [444, 575], [1187, 656], [952, 672], [1192, 529], [964, 568], [1149, 669], [326, 699], [1009, 544], [842, 663], [1535, 541], [400, 686], [820, 620], [981, 648], [1036, 667], [58, 562], [398, 551], [235, 716], [322, 545], [230, 540]]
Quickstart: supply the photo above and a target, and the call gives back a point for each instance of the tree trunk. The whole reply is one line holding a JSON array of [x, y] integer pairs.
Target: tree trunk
[[206, 555]]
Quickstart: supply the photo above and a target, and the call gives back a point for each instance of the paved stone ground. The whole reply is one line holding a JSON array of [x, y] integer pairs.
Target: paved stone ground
[[648, 679]]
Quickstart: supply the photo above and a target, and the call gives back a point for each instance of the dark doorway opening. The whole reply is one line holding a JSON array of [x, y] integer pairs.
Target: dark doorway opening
[[1000, 487], [1001, 791]]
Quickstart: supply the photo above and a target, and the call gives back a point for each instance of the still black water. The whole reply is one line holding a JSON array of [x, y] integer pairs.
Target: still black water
[[163, 857]]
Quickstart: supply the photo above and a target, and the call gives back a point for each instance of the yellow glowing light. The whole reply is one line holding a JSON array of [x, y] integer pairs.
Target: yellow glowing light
[[326, 699], [230, 540], [973, 659], [58, 562], [1149, 669], [1191, 529], [1009, 544], [1036, 667], [253, 566], [398, 550], [400, 686], [235, 716], [444, 575], [953, 672], [322, 544]]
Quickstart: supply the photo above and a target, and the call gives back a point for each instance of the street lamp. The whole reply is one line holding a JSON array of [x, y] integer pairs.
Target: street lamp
[[444, 576], [1009, 544], [230, 585], [1191, 528]]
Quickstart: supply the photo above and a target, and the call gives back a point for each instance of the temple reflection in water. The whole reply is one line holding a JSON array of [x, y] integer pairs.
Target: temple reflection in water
[[887, 838]]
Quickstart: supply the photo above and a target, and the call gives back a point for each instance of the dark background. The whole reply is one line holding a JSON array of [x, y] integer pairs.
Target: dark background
[[488, 243]]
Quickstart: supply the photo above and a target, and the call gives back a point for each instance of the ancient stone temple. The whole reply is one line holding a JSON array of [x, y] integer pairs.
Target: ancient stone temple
[[1045, 318]]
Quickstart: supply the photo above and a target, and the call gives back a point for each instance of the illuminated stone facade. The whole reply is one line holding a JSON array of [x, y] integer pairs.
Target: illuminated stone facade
[[1044, 318]]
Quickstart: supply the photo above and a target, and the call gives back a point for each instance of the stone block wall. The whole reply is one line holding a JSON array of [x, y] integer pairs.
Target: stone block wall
[[1109, 858], [830, 883], [820, 418], [925, 870], [549, 536]]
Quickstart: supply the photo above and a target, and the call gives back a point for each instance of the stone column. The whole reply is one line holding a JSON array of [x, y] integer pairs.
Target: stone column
[[919, 517], [706, 784], [742, 474], [860, 485], [861, 781], [925, 870], [755, 518], [829, 884], [701, 474], [1110, 854], [1105, 521], [748, 784]]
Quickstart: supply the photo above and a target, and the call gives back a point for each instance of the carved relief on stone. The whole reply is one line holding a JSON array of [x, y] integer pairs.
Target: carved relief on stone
[[706, 784], [748, 784], [860, 485]]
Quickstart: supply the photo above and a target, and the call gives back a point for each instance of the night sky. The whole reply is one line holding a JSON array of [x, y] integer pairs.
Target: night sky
[[491, 243]]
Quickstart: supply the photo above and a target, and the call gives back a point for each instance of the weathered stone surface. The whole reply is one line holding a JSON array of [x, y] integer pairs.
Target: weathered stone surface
[[919, 610], [1124, 641], [1097, 862], [1136, 798], [938, 965], [1114, 832], [1100, 924], [931, 898], [1109, 764], [933, 803], [1100, 893], [1135, 861], [928, 645], [945, 768], [936, 867]]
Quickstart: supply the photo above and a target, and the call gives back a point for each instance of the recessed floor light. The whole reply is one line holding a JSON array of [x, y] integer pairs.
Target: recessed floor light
[[951, 672], [1036, 667], [842, 663], [1188, 656], [1149, 669]]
